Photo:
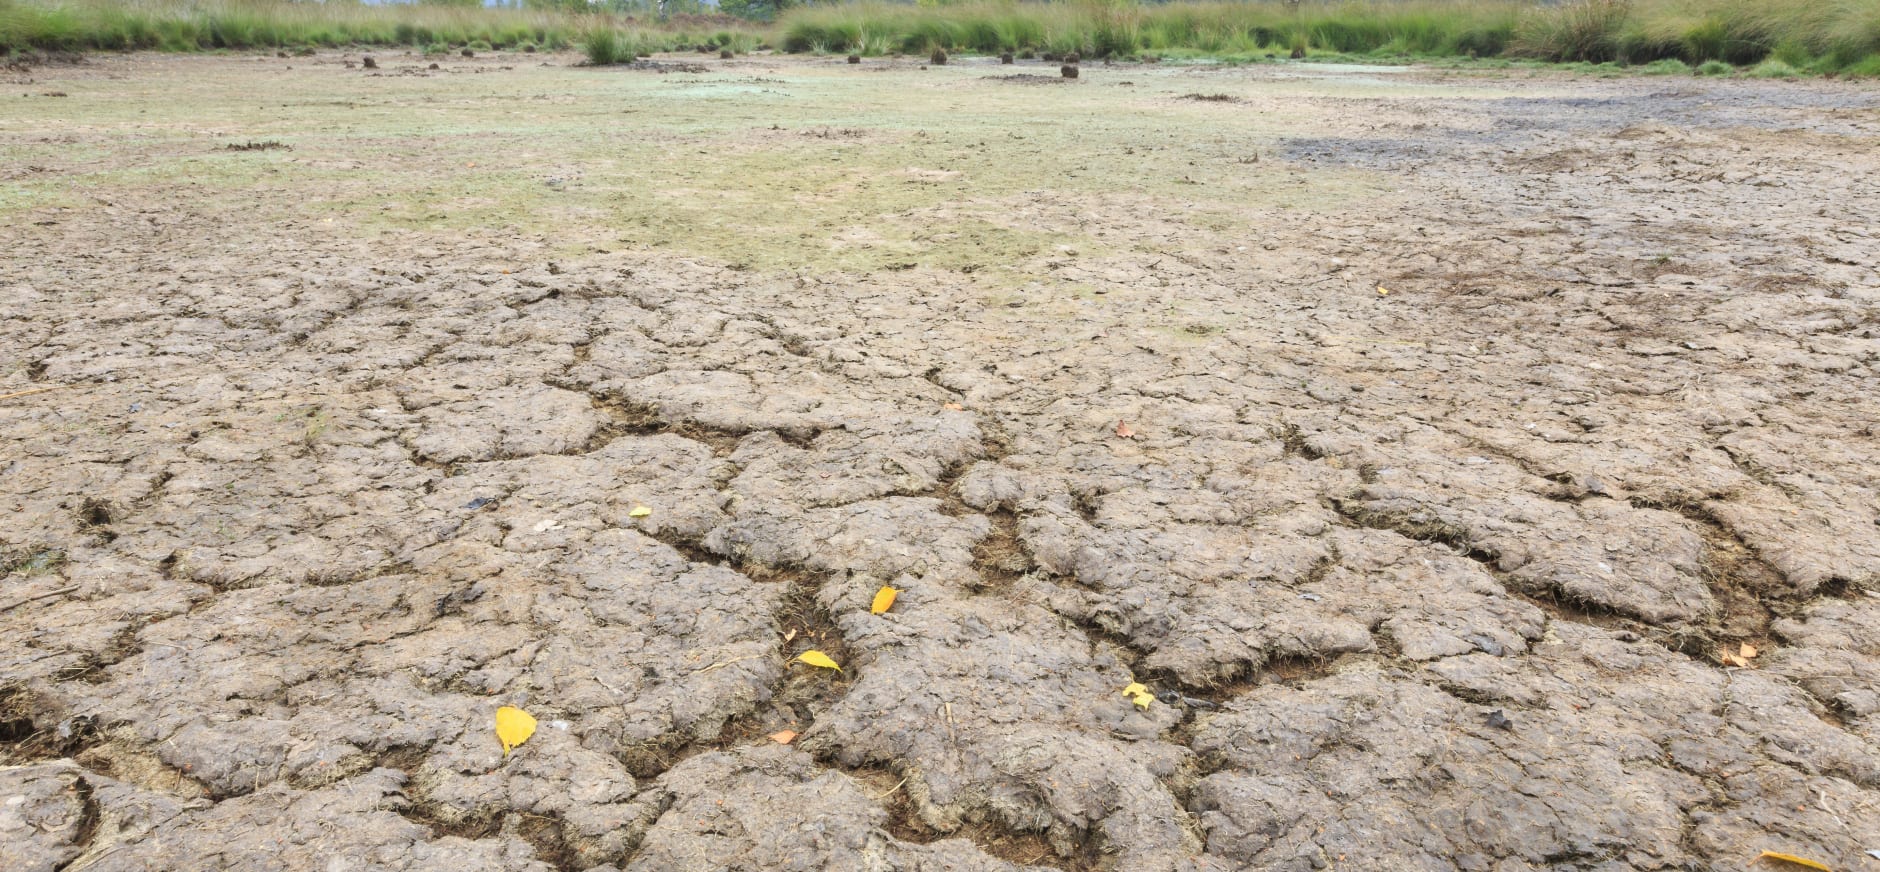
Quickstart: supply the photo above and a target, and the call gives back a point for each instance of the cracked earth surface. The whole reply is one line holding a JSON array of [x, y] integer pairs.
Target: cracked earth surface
[[340, 446]]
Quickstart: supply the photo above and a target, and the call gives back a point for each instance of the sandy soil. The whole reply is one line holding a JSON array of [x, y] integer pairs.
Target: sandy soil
[[1479, 468]]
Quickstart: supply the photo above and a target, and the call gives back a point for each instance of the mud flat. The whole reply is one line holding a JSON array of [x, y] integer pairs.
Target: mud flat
[[1480, 468]]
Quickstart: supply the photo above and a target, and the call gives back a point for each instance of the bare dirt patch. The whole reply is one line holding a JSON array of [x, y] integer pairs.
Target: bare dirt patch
[[1391, 423]]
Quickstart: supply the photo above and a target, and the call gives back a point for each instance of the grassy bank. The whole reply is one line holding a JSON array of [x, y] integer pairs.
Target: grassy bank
[[1819, 36], [179, 25], [1770, 37]]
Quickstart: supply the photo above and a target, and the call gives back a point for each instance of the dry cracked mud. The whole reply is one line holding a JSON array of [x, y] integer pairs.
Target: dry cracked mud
[[1477, 421]]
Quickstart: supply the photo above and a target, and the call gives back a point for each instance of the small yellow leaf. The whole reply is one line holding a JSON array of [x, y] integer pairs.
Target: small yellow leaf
[[513, 727], [884, 600], [783, 737], [817, 658], [1383, 291], [1791, 858], [1747, 651], [953, 407], [1139, 695], [1730, 659], [639, 511]]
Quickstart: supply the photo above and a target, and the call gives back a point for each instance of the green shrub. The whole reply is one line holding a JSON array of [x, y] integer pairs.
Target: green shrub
[[1715, 68], [1666, 67]]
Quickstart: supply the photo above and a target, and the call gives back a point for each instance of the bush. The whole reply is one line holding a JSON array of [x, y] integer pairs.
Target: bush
[[1715, 68]]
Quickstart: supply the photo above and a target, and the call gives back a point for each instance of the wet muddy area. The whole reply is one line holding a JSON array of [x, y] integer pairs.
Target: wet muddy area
[[1477, 469]]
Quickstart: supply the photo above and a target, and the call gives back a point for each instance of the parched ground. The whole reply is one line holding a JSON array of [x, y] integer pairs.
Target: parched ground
[[1479, 467]]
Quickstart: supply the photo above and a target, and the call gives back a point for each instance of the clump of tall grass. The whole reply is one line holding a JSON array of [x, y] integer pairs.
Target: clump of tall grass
[[603, 46], [1576, 30]]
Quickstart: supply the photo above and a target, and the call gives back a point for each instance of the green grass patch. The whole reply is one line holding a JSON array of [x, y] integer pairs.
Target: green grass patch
[[1823, 36], [196, 25], [1835, 35]]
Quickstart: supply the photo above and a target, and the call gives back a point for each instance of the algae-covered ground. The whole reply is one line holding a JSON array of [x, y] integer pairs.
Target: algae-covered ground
[[1477, 469]]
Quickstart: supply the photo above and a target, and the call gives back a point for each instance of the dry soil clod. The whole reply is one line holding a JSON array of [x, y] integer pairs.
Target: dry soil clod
[[1068, 71], [938, 58]]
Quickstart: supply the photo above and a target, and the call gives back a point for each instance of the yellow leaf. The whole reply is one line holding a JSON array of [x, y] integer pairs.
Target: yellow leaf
[[1746, 651], [783, 737], [817, 658], [1139, 695], [884, 600], [1383, 291], [639, 512], [513, 727], [1791, 858]]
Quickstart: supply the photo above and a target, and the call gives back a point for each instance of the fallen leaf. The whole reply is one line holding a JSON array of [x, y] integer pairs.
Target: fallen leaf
[[1124, 430], [1791, 858], [1139, 695], [639, 511], [884, 600], [783, 737], [1746, 651], [1383, 291], [1730, 659], [953, 407], [513, 727], [817, 658], [787, 636]]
